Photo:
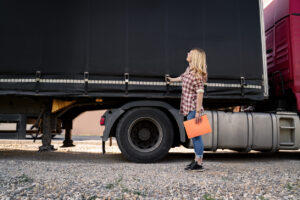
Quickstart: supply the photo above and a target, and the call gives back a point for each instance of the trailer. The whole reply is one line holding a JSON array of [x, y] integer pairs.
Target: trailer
[[62, 58]]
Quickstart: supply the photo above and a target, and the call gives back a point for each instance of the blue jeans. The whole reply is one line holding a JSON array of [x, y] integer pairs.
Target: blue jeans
[[197, 141]]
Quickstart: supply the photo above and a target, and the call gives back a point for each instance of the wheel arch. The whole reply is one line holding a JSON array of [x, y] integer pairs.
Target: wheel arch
[[112, 117]]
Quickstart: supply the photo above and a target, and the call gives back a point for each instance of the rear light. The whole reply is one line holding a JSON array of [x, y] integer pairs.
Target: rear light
[[102, 121]]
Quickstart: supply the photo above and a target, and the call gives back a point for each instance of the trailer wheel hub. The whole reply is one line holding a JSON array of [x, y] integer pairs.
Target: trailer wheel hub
[[145, 134]]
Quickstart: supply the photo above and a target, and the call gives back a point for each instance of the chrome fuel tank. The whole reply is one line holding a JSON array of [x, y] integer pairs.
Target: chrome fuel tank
[[245, 131]]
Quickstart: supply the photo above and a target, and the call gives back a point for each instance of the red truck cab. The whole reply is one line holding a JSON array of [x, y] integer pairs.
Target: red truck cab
[[282, 26]]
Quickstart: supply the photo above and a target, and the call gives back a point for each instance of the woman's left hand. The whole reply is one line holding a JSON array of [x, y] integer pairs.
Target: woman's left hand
[[198, 117]]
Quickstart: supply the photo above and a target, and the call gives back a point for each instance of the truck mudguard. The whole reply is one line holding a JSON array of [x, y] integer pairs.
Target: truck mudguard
[[112, 116]]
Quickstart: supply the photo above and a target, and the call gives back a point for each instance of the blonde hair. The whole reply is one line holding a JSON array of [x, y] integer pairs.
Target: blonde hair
[[198, 62]]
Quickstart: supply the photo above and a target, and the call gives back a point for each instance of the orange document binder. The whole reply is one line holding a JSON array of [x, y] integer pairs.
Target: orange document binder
[[193, 130]]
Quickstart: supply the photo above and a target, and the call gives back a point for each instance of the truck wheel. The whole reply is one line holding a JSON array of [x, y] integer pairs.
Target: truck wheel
[[144, 135]]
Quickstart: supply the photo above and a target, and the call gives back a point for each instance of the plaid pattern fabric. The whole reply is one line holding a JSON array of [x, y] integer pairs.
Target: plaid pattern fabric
[[190, 85]]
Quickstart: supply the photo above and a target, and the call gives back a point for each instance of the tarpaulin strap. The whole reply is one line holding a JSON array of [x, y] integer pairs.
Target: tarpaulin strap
[[167, 83], [103, 147], [86, 81], [38, 75], [126, 76], [243, 84]]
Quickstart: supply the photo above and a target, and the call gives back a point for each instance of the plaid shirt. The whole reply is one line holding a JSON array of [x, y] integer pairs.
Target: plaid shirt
[[191, 85]]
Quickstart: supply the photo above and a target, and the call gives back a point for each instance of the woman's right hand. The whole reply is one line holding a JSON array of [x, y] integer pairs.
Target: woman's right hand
[[169, 79]]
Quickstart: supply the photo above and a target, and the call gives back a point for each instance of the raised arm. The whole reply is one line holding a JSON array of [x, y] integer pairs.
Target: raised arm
[[177, 79]]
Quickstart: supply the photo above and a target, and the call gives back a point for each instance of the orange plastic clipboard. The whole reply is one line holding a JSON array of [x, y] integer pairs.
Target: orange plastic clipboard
[[193, 130]]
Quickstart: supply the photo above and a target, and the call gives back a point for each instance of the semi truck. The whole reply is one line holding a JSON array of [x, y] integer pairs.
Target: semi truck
[[62, 58]]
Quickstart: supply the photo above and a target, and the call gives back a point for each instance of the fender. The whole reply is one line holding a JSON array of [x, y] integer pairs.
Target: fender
[[113, 115]]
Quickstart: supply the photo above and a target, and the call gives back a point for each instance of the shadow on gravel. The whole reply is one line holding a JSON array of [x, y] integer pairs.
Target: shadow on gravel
[[110, 158], [236, 156], [62, 156]]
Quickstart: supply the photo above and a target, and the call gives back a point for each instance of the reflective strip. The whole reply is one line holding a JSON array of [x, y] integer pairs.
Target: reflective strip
[[229, 85], [117, 82], [17, 80], [223, 85], [106, 82], [253, 86], [72, 81]]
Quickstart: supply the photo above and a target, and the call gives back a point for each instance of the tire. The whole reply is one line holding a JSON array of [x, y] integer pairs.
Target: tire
[[144, 135]]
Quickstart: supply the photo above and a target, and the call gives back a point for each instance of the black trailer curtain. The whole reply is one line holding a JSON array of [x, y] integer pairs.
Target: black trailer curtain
[[147, 39]]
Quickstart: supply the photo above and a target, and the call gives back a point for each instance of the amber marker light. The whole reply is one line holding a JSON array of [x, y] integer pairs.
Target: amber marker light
[[99, 100]]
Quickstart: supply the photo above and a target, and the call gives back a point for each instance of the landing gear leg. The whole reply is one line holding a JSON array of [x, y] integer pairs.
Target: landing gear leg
[[47, 132], [68, 142]]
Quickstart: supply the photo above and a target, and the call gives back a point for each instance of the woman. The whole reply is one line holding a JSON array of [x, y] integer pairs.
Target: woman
[[193, 80]]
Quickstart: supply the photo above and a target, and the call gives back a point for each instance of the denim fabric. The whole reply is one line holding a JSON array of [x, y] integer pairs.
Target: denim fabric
[[197, 141]]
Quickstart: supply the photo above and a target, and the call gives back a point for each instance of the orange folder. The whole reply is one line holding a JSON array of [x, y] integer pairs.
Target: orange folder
[[193, 130]]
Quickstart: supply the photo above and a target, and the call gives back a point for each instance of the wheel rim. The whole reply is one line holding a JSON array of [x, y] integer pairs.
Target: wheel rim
[[145, 134]]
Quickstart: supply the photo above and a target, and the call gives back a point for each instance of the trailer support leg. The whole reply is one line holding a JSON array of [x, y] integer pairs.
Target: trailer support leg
[[68, 142], [47, 132]]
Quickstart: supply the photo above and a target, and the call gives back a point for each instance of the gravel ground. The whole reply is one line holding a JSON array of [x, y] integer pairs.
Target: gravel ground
[[82, 172]]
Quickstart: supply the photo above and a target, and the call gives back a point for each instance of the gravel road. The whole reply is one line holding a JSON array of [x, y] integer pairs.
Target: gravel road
[[82, 172]]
